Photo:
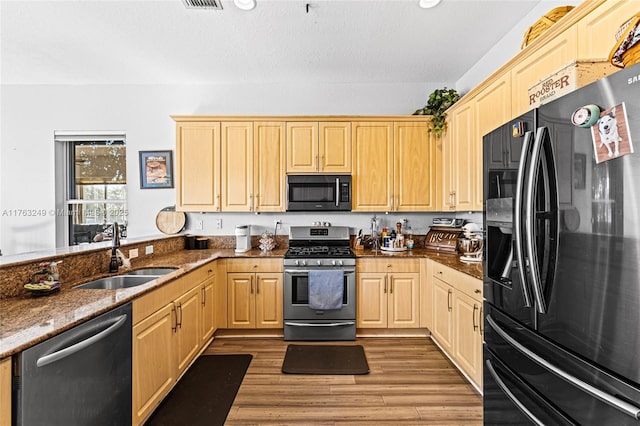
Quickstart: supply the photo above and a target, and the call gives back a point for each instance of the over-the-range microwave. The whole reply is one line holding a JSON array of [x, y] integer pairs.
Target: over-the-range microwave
[[306, 193]]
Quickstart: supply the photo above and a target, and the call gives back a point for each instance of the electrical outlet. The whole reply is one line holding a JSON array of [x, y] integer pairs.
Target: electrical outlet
[[199, 224], [148, 250], [218, 223], [133, 253]]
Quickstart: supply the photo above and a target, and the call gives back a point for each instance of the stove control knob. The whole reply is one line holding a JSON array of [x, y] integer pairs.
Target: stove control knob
[[333, 262], [304, 263], [297, 262], [319, 262], [340, 262]]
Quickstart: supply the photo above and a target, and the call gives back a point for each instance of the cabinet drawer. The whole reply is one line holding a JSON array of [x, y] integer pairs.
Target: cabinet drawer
[[461, 281], [254, 265], [388, 265]]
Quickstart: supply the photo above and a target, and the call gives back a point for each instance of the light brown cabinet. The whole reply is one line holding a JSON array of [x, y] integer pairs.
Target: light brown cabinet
[[596, 31], [235, 166], [460, 159], [458, 319], [549, 58], [254, 293], [5, 392], [388, 293], [318, 147], [394, 166], [197, 166], [169, 325]]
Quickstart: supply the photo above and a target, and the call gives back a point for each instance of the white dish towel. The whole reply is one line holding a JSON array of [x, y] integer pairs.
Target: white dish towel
[[326, 288]]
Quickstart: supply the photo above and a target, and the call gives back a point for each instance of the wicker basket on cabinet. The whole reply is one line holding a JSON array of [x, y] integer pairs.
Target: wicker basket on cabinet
[[626, 51], [543, 24]]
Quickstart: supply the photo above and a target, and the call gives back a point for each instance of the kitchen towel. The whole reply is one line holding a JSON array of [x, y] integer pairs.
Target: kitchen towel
[[326, 288]]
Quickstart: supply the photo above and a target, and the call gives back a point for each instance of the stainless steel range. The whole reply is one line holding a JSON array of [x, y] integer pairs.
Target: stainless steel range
[[316, 256]]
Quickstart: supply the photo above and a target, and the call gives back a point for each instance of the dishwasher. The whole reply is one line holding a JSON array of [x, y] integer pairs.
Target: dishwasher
[[79, 377]]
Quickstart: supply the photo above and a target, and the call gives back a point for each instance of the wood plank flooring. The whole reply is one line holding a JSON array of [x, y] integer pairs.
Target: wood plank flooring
[[410, 382]]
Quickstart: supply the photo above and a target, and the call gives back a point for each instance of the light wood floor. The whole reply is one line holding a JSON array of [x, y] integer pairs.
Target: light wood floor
[[410, 382]]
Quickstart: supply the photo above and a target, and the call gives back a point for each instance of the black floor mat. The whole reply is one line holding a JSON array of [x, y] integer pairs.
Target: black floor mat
[[325, 359], [205, 393]]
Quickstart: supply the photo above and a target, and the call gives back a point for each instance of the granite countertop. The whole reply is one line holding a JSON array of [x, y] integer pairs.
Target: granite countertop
[[26, 321]]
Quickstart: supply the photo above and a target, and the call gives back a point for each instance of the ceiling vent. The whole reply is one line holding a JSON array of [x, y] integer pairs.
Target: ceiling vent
[[203, 4]]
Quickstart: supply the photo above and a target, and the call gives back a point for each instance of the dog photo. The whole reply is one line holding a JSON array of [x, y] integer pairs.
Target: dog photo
[[610, 134]]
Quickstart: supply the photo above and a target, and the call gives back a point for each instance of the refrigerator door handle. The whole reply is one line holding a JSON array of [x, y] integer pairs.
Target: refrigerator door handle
[[517, 218], [511, 396], [607, 398], [542, 140]]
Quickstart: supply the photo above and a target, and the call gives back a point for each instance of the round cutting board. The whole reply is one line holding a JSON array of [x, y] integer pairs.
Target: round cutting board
[[169, 221]]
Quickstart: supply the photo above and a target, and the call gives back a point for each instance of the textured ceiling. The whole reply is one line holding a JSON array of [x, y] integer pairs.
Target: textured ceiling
[[162, 42]]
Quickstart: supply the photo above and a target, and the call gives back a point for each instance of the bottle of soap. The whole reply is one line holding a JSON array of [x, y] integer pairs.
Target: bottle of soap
[[409, 240]]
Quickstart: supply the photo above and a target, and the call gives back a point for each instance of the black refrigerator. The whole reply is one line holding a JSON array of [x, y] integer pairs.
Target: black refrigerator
[[562, 249]]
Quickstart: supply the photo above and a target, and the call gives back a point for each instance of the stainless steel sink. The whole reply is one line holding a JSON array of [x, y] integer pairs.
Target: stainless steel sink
[[151, 271], [116, 282]]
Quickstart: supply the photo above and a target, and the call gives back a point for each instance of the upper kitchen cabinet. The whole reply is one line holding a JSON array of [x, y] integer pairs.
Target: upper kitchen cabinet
[[237, 166], [461, 160], [318, 147], [269, 164], [197, 170], [252, 166], [415, 167], [394, 166], [550, 57], [372, 179], [596, 31]]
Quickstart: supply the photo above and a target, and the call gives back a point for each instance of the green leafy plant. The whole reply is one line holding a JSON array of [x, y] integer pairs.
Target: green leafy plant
[[437, 103]]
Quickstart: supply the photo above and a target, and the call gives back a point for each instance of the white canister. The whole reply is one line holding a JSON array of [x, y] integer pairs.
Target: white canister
[[243, 238]]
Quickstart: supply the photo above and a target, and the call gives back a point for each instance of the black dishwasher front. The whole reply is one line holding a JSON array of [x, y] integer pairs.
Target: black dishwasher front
[[79, 377]]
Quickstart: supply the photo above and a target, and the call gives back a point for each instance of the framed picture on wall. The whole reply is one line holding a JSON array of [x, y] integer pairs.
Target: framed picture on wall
[[156, 169]]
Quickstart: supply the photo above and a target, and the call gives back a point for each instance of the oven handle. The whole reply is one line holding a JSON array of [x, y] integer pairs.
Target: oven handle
[[306, 271], [306, 324]]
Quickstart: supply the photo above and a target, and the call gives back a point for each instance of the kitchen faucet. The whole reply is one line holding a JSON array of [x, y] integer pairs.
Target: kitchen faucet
[[117, 258]]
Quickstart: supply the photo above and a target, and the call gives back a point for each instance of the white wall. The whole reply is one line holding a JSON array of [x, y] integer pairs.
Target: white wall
[[31, 114]]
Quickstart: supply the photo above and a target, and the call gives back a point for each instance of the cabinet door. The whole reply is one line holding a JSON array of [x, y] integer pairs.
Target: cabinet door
[[269, 300], [5, 392], [154, 361], [334, 147], [189, 335], [241, 300], [197, 166], [404, 300], [269, 173], [372, 179], [547, 59], [208, 302], [372, 300], [302, 147], [596, 31], [415, 179], [467, 336], [443, 314], [465, 158], [237, 166], [447, 172]]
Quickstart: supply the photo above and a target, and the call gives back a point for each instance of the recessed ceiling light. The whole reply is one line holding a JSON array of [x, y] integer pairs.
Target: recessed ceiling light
[[426, 4], [245, 4]]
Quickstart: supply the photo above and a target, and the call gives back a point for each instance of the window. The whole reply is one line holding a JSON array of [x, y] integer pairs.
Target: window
[[91, 186]]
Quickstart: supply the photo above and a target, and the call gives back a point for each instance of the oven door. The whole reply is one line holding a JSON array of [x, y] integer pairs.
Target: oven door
[[296, 296]]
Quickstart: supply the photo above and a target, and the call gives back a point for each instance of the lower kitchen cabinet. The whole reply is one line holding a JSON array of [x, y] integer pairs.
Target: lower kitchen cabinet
[[388, 293], [254, 293], [457, 319], [170, 328], [5, 392]]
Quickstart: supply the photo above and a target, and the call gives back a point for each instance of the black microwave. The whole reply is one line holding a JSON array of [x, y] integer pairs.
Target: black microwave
[[306, 193]]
